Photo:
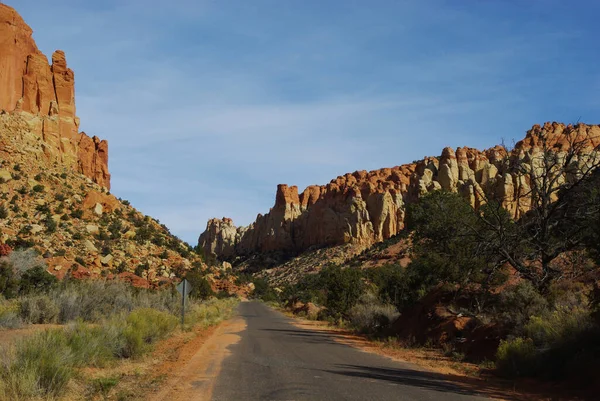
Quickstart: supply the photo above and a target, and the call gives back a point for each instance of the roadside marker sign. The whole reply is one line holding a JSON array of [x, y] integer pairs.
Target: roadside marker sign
[[184, 289]]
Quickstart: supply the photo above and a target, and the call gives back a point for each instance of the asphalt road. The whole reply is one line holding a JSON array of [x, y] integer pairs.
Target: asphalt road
[[275, 360]]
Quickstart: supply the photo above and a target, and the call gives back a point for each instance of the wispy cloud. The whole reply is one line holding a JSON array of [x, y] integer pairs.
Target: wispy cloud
[[207, 105]]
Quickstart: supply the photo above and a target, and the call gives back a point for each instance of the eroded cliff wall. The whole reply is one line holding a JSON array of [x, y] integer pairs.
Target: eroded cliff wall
[[44, 95], [368, 207]]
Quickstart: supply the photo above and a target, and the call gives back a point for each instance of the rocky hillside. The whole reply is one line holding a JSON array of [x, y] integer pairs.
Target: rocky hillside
[[364, 208], [54, 180]]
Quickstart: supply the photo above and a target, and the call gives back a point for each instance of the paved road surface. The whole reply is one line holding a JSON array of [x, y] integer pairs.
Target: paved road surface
[[275, 360]]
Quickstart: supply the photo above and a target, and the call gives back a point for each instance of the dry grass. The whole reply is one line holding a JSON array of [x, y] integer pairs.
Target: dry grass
[[85, 361]]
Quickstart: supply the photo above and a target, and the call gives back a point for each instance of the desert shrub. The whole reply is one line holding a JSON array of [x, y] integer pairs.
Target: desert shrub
[[44, 357], [140, 269], [568, 344], [310, 288], [343, 288], [144, 327], [201, 288], [50, 224], [103, 385], [210, 312], [94, 345], [262, 290], [23, 260], [243, 278], [517, 357], [9, 283], [36, 279], [115, 227], [38, 309], [144, 233], [77, 214], [559, 326], [371, 316], [518, 303], [3, 212], [158, 240], [393, 285], [38, 188], [9, 315], [22, 272], [558, 344], [92, 301]]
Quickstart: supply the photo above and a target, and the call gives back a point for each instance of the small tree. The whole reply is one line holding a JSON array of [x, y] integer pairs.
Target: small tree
[[36, 279], [201, 288], [9, 283], [451, 245], [343, 288], [555, 187]]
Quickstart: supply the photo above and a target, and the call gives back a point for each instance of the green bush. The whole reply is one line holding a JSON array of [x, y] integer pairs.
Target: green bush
[[41, 367], [517, 357], [264, 291], [343, 288], [36, 279], [144, 327], [201, 288], [558, 326], [393, 284], [518, 303], [210, 312], [564, 343], [9, 315], [371, 316], [9, 283], [310, 288], [94, 345]]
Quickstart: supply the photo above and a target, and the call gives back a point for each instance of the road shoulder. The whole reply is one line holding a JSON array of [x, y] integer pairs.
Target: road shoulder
[[193, 373]]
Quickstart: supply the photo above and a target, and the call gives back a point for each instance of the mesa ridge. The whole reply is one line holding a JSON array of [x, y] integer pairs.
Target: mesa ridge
[[369, 207]]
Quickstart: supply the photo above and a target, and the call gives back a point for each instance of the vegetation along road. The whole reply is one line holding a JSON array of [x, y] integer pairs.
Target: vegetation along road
[[274, 360]]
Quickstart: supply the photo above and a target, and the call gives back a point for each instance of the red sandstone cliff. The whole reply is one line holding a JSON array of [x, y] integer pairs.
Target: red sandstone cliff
[[368, 207], [44, 95]]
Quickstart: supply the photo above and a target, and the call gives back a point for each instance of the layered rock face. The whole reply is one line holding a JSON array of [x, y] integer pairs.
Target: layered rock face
[[44, 95], [368, 207]]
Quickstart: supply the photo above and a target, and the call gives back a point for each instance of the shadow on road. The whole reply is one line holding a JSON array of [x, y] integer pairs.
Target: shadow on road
[[314, 337], [414, 378]]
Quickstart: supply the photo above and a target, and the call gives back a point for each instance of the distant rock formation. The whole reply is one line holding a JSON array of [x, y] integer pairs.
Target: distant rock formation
[[44, 95], [368, 207]]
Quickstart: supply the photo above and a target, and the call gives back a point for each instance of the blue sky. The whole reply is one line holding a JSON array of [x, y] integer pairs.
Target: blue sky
[[209, 104]]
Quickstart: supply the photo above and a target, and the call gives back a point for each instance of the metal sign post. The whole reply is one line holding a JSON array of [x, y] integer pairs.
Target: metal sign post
[[184, 289]]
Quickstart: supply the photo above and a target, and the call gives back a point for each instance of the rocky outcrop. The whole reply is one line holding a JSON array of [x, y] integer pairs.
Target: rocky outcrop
[[44, 95], [368, 207]]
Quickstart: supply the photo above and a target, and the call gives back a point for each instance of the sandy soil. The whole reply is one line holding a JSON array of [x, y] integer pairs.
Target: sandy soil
[[192, 373], [10, 336]]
